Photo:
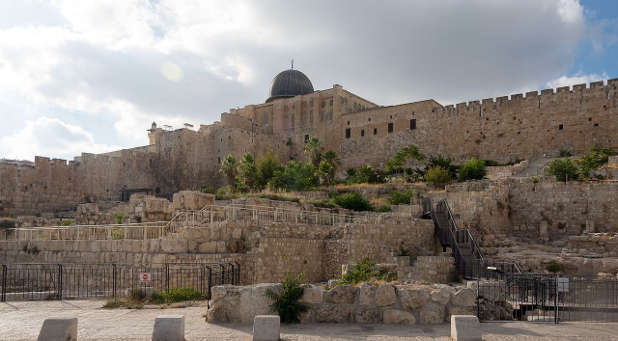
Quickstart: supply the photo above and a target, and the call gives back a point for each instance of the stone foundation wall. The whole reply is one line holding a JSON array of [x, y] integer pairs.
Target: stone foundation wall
[[366, 303]]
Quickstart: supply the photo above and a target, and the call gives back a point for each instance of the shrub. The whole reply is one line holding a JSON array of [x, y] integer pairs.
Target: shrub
[[118, 217], [565, 153], [472, 169], [7, 223], [437, 177], [353, 201], [117, 235], [444, 163], [360, 272], [224, 193], [401, 197], [365, 174], [67, 222], [182, 294], [295, 176], [210, 189], [597, 157], [553, 267], [394, 165], [286, 301], [324, 203], [563, 170], [383, 208]]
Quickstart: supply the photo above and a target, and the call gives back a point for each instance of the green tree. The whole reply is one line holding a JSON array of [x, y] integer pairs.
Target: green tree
[[295, 176], [248, 172], [437, 177], [395, 164], [365, 174], [443, 162], [328, 167], [563, 170], [266, 168], [472, 169], [229, 168], [313, 150]]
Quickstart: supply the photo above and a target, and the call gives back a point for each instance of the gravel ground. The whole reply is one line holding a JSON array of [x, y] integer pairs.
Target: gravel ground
[[23, 320]]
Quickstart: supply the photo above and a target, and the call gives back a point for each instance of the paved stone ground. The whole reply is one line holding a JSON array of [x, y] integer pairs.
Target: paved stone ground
[[22, 321]]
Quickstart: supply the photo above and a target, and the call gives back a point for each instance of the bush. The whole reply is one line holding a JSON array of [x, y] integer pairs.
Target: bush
[[7, 223], [597, 157], [225, 193], [438, 177], [353, 201], [472, 169], [383, 208], [401, 197], [67, 222], [395, 164], [553, 267], [324, 203], [365, 174], [182, 294], [286, 301], [360, 272], [295, 176], [210, 189], [117, 235], [442, 162], [118, 217], [266, 168], [563, 170]]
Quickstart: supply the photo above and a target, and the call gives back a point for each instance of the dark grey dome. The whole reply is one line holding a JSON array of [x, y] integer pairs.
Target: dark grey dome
[[289, 83]]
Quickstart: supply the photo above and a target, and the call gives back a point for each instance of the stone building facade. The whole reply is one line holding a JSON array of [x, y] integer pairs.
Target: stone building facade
[[503, 129]]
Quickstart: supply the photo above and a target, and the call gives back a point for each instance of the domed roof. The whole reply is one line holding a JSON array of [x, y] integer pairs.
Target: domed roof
[[289, 83]]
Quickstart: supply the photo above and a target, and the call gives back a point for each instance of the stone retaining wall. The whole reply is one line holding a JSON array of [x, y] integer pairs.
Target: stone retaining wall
[[366, 303]]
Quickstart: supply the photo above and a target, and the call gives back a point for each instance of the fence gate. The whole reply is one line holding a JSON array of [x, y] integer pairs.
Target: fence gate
[[547, 298]]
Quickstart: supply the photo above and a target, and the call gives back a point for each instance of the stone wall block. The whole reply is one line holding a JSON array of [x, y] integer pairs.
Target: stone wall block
[[312, 295], [334, 313], [385, 296], [412, 298], [432, 313], [342, 294], [367, 315], [394, 316], [367, 293]]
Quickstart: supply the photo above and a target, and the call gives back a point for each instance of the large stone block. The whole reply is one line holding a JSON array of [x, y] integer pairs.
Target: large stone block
[[367, 293], [342, 294], [394, 316], [385, 296], [266, 328], [432, 313], [192, 200], [465, 328], [312, 295], [169, 328], [464, 298], [58, 329], [412, 298], [336, 313]]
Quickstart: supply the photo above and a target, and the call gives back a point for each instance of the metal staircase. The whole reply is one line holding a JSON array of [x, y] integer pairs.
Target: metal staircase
[[469, 260]]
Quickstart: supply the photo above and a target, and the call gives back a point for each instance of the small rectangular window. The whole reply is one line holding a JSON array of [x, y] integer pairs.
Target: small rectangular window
[[375, 131], [347, 133], [560, 127], [390, 127], [362, 132], [306, 138], [413, 124]]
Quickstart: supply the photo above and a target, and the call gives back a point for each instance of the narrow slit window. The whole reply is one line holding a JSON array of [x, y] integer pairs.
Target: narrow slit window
[[362, 132], [347, 133], [560, 126], [390, 127], [413, 124], [375, 131]]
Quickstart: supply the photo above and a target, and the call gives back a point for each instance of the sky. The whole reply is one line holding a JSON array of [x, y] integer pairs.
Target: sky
[[91, 76]]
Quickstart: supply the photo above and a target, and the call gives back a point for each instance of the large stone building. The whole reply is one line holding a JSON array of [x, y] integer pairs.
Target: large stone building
[[361, 132]]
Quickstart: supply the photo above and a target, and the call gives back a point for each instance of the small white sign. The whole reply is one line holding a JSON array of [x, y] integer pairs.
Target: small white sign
[[563, 284], [145, 277]]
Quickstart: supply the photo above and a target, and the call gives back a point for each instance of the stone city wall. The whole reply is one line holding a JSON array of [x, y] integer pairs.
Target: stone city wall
[[367, 303]]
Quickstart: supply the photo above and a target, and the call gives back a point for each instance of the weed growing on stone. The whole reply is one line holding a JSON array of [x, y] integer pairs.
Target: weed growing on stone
[[286, 301]]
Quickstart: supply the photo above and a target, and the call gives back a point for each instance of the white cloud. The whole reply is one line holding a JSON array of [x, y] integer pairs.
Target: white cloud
[[49, 136], [576, 79], [175, 61]]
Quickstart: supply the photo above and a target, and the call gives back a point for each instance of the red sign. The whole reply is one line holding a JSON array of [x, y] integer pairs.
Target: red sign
[[144, 277]]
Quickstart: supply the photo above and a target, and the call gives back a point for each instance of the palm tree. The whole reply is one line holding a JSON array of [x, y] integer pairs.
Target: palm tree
[[313, 150], [229, 168], [328, 167]]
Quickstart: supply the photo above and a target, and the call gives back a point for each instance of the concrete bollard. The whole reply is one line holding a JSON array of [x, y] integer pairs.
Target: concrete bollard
[[169, 328], [58, 329], [266, 328], [465, 328]]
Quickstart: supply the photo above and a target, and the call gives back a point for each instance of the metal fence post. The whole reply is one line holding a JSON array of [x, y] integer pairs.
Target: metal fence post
[[167, 277], [222, 273], [114, 278], [556, 300], [4, 273], [478, 299], [60, 282], [209, 281]]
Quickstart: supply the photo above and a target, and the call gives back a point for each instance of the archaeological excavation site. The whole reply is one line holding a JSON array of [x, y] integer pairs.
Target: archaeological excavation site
[[323, 207]]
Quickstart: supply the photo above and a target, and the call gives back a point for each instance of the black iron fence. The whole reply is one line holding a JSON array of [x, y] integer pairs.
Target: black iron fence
[[20, 282], [549, 298]]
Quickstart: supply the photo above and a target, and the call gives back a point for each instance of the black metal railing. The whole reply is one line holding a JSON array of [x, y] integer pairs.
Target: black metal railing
[[548, 298], [20, 282]]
